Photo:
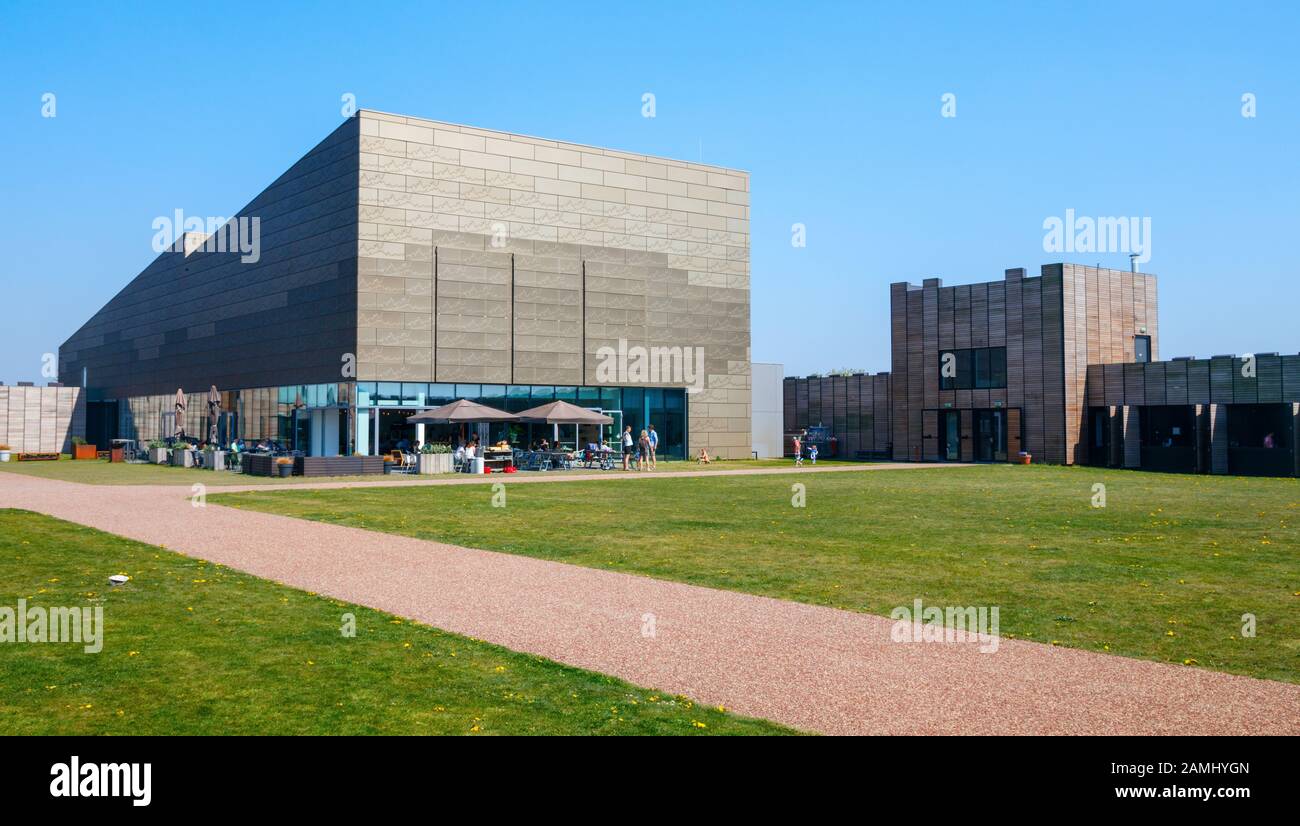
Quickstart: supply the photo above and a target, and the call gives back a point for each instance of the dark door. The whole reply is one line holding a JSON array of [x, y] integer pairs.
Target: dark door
[[990, 436]]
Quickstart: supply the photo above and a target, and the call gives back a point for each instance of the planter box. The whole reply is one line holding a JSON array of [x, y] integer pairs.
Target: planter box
[[4, 455], [256, 464], [158, 455], [435, 463], [117, 454], [284, 471], [214, 459], [338, 465], [182, 458], [83, 452]]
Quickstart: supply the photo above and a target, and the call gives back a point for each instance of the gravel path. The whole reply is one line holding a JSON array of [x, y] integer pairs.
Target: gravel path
[[814, 668]]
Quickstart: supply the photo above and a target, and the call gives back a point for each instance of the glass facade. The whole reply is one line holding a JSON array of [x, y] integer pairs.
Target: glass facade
[[323, 419], [664, 407]]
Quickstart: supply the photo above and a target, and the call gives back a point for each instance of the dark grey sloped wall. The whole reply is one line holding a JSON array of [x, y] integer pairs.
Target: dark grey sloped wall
[[208, 318]]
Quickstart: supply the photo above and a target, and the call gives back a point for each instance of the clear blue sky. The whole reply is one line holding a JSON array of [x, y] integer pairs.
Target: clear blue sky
[[1110, 109]]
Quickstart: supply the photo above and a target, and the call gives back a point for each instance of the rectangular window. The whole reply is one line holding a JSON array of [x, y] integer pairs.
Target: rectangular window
[[976, 369], [1142, 349]]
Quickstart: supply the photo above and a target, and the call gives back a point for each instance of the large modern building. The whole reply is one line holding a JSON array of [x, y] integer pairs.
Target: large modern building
[[404, 263], [1061, 366]]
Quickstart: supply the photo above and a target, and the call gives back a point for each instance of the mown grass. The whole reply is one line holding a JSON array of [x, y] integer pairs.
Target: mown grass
[[1165, 571], [100, 472], [192, 647]]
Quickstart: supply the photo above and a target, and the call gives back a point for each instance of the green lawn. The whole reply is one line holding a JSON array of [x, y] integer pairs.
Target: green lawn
[[194, 648], [100, 472], [1164, 572]]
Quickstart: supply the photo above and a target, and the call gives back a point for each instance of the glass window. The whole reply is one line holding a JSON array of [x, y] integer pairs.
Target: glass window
[[388, 393], [982, 371], [981, 368], [998, 367], [544, 392], [365, 393], [493, 393], [414, 394], [468, 391], [441, 394], [589, 394]]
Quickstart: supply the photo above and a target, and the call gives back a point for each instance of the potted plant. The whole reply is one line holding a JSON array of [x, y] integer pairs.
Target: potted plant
[[214, 458], [158, 452], [181, 456], [284, 466], [81, 450], [435, 458], [388, 463], [4, 453]]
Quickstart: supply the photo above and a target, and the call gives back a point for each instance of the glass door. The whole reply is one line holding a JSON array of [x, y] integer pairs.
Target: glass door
[[951, 435]]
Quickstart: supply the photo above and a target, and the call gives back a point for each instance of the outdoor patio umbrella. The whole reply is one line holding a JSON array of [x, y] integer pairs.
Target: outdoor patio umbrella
[[214, 413], [461, 411], [563, 413], [179, 427], [558, 413]]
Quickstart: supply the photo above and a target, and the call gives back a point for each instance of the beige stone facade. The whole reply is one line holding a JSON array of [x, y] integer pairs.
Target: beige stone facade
[[490, 257]]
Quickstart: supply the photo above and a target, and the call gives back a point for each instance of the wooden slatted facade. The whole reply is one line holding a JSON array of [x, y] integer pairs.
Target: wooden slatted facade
[[1211, 389], [1053, 326], [856, 408]]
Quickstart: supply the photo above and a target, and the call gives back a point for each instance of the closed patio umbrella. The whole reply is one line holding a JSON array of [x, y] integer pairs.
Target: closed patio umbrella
[[180, 413], [214, 413]]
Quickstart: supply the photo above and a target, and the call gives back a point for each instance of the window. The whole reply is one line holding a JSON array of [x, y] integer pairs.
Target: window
[[978, 369], [1142, 348]]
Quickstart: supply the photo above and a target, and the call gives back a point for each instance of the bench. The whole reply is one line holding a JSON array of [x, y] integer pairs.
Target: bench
[[38, 457]]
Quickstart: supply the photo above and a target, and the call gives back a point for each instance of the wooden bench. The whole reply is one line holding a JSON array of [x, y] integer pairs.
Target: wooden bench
[[38, 457]]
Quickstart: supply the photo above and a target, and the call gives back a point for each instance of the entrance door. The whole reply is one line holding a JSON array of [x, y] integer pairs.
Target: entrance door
[[990, 436], [951, 435]]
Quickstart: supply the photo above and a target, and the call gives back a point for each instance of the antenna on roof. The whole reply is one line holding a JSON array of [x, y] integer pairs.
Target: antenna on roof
[[1133, 262]]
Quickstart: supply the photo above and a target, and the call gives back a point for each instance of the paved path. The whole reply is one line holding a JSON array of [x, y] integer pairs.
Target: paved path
[[814, 668]]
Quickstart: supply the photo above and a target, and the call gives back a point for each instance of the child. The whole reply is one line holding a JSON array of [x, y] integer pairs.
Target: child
[[812, 453], [798, 452], [704, 456]]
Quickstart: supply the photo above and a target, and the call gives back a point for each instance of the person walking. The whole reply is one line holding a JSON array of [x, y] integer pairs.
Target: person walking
[[798, 451], [627, 447], [643, 451], [654, 447]]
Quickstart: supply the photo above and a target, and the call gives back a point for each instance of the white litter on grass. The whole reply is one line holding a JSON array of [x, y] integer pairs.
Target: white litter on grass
[[119, 579]]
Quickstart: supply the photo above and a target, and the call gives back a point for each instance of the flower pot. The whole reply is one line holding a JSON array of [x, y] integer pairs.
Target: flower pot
[[83, 452], [182, 458], [285, 471], [158, 455], [215, 460], [4, 455]]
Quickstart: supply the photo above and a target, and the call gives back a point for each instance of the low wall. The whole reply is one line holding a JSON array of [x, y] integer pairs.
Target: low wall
[[41, 419]]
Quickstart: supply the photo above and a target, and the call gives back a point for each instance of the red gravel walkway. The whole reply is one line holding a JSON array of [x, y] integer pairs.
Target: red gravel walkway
[[814, 668]]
